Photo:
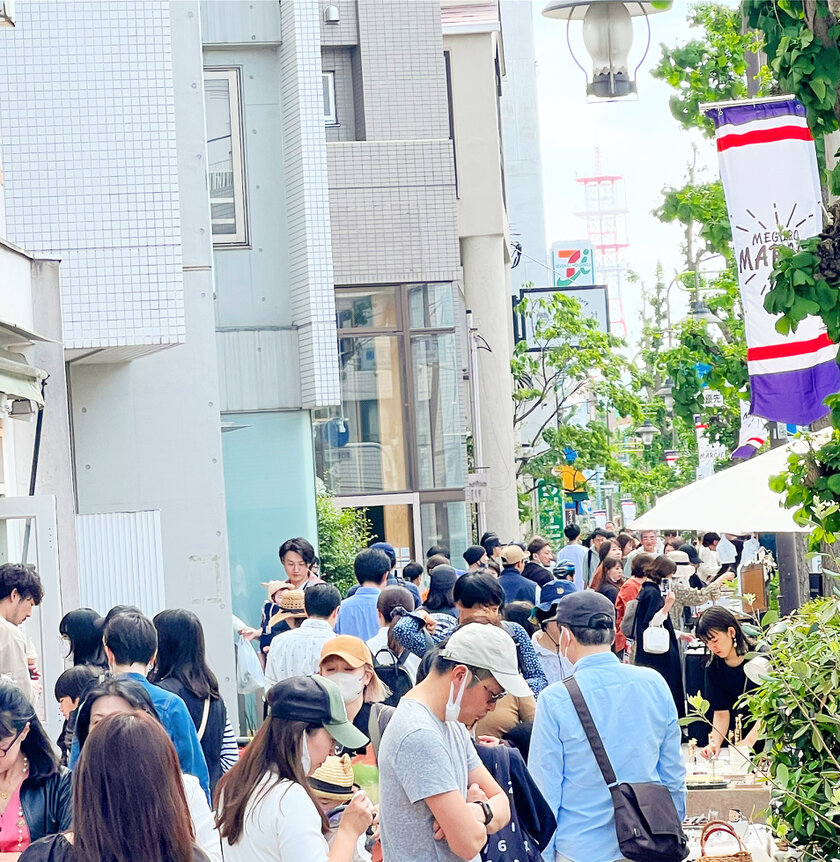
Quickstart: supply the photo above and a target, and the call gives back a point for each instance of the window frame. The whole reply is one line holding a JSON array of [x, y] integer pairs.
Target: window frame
[[239, 238], [331, 118]]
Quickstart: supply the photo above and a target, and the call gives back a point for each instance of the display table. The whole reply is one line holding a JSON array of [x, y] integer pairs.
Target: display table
[[752, 800]]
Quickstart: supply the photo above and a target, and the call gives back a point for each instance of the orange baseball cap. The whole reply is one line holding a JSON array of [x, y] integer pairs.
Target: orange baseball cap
[[352, 649]]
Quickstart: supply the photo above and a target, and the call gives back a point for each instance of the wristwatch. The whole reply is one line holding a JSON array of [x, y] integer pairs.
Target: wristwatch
[[488, 812]]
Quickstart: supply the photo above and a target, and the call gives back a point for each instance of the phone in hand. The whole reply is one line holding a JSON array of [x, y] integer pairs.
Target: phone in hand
[[665, 586]]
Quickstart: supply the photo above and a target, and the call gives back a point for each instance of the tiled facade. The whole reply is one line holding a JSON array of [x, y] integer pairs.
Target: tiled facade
[[103, 193]]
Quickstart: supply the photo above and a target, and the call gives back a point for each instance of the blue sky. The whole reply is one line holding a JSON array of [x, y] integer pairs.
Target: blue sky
[[638, 139]]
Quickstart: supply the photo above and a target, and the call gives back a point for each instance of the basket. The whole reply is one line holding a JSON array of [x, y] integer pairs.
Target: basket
[[742, 854]]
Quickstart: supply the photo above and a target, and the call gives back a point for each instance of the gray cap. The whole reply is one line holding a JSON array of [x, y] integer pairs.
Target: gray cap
[[586, 609]]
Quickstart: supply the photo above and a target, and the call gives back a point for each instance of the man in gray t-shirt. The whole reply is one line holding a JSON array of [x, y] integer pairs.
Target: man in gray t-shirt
[[438, 802]]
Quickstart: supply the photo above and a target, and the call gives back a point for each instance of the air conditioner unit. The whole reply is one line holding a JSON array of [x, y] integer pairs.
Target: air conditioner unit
[[7, 13]]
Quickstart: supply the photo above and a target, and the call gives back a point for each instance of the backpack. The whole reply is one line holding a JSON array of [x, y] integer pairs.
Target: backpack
[[378, 720], [393, 673], [628, 621]]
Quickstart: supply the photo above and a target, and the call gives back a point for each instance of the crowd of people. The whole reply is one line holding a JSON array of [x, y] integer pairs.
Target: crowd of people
[[432, 713]]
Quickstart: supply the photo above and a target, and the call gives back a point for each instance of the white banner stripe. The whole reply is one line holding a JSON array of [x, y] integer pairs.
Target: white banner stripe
[[792, 363]]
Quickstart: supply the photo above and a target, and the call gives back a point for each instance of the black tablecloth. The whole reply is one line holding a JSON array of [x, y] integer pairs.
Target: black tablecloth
[[695, 680]]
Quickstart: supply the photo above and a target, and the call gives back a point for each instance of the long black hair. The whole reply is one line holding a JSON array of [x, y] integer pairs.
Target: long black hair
[[15, 713], [129, 690], [181, 653], [83, 628]]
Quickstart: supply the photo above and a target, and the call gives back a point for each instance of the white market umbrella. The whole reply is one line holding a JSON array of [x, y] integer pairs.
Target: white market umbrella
[[737, 500]]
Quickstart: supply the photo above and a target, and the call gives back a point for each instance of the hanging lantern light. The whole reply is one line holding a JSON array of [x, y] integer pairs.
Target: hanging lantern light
[[646, 432], [607, 37]]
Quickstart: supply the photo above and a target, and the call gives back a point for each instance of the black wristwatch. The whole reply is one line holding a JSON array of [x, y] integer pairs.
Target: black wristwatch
[[488, 812]]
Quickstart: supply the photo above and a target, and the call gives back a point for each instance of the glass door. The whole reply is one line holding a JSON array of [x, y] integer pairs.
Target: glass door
[[394, 518]]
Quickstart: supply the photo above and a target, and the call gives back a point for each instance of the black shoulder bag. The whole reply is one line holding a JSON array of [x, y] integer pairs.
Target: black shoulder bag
[[646, 821]]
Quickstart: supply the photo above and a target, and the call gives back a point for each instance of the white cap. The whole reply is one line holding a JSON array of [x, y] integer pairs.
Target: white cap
[[488, 647]]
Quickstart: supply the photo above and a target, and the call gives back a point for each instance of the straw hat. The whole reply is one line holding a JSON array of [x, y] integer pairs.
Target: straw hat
[[291, 605], [334, 779], [272, 587]]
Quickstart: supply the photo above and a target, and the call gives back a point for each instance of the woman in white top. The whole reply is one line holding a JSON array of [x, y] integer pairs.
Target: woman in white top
[[266, 811], [393, 603]]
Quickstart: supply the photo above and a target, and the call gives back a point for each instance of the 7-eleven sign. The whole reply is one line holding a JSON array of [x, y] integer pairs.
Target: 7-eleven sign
[[572, 263]]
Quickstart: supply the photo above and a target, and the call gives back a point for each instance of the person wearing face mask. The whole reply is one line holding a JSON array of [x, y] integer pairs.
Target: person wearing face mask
[[546, 641], [560, 758], [347, 661], [438, 802], [266, 810]]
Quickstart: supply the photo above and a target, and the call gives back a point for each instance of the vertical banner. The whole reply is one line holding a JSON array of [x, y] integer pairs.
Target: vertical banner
[[768, 165], [752, 436], [708, 453]]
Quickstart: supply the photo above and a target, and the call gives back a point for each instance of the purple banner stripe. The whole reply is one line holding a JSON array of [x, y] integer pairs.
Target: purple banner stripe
[[795, 397], [737, 115], [742, 453]]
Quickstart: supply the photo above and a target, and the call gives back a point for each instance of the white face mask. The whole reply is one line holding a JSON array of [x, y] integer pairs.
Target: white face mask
[[453, 702], [565, 661], [305, 757], [351, 686]]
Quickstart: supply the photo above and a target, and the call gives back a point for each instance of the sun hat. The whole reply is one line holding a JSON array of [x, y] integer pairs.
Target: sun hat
[[291, 604], [352, 649], [315, 700], [585, 609], [272, 587], [691, 552], [473, 554], [679, 558], [513, 554], [488, 647], [334, 778], [552, 592]]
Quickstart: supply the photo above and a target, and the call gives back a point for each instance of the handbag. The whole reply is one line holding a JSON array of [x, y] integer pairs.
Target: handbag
[[249, 673], [647, 825], [741, 855], [655, 640]]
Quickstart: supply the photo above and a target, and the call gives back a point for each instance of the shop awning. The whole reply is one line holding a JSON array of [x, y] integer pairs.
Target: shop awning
[[20, 381]]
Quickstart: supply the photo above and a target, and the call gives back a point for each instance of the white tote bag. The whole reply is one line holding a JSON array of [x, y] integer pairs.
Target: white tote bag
[[655, 640]]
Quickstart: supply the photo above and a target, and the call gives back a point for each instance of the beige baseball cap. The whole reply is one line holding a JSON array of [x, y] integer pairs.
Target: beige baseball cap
[[488, 647]]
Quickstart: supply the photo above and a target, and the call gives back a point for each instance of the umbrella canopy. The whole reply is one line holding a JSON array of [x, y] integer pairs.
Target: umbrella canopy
[[737, 500]]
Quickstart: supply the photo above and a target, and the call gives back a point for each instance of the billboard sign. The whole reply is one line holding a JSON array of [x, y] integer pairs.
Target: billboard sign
[[573, 263]]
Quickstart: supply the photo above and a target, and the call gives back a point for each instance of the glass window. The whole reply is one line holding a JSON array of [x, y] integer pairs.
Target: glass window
[[430, 306], [440, 443], [372, 309], [226, 167], [363, 449], [328, 83], [446, 524]]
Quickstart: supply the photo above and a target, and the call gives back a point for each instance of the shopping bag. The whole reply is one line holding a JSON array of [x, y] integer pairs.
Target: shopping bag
[[249, 674]]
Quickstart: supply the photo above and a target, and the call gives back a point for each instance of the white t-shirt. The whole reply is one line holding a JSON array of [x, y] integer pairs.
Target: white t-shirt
[[206, 834], [380, 641], [281, 825]]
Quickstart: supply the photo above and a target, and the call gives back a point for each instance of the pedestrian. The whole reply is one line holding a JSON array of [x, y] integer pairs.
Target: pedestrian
[[561, 759], [298, 556], [278, 613], [440, 599], [82, 629], [128, 800], [475, 557], [357, 614], [688, 591], [652, 611], [627, 597], [298, 652], [413, 574], [649, 541], [34, 789], [20, 591], [709, 565], [608, 578], [540, 558], [546, 641], [592, 560], [393, 603], [394, 579], [516, 587], [130, 645], [437, 799], [726, 680], [627, 544], [575, 553], [492, 545], [126, 696], [181, 668], [70, 690], [266, 810]]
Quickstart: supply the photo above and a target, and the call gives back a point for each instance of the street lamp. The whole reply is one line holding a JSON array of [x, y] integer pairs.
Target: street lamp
[[607, 37], [647, 431], [701, 311], [666, 393]]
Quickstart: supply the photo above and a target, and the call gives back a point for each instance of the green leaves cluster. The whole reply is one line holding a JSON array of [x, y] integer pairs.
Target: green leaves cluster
[[798, 289], [341, 532], [798, 706], [704, 204]]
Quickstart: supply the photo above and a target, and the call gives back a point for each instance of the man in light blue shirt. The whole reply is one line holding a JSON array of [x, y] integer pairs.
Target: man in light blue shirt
[[635, 715], [357, 615], [574, 553]]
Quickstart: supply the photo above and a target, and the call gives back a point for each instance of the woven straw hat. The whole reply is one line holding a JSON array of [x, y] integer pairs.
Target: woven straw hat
[[272, 587], [291, 605], [334, 779]]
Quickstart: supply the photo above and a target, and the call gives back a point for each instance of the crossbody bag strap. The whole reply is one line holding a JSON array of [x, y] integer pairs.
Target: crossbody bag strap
[[591, 731], [204, 716]]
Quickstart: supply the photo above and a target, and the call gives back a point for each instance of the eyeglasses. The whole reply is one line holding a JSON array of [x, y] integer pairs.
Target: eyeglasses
[[482, 675], [5, 751]]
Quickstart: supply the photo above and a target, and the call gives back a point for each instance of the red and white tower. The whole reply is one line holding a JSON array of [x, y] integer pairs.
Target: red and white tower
[[605, 215]]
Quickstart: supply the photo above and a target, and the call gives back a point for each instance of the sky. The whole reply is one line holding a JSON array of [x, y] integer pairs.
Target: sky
[[639, 140]]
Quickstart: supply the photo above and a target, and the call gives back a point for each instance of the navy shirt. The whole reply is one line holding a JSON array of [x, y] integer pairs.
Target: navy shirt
[[516, 587]]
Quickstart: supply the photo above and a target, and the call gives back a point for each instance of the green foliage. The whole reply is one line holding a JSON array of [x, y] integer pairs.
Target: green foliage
[[710, 69], [342, 533], [705, 205], [798, 706]]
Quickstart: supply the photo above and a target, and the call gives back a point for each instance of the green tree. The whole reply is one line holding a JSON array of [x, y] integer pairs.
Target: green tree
[[342, 533]]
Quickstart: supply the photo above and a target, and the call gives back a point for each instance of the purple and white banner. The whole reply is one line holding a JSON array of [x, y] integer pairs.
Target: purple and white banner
[[752, 436], [771, 181]]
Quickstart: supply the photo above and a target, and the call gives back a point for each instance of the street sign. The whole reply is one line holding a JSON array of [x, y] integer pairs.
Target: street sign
[[477, 489]]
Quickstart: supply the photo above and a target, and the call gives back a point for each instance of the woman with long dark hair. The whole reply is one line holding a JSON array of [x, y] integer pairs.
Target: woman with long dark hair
[[608, 577], [82, 628], [181, 667], [266, 811], [34, 789], [651, 611], [726, 681], [440, 599], [128, 800]]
